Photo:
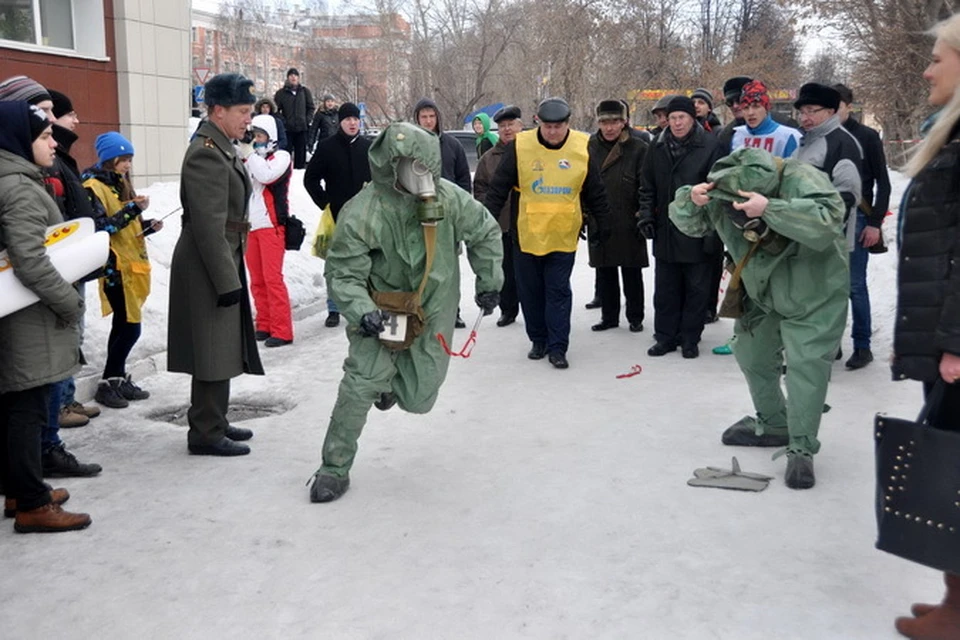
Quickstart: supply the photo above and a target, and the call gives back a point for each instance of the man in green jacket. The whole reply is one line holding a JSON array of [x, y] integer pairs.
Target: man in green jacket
[[210, 332], [782, 221], [403, 225]]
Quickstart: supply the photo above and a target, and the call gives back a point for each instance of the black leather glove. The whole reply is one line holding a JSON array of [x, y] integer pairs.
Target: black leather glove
[[230, 298], [599, 236], [488, 301], [647, 228], [371, 324]]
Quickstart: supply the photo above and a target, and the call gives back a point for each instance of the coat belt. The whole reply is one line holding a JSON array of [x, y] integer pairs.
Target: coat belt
[[237, 226]]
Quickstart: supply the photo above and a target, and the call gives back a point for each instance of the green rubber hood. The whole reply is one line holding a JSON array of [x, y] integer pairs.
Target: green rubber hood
[[403, 140], [745, 170]]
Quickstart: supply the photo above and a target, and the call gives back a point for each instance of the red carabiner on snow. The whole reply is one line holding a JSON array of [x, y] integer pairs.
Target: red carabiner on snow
[[634, 371], [468, 345]]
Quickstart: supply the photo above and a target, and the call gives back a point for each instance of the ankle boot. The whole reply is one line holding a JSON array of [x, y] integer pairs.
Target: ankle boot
[[57, 497], [50, 518], [109, 395], [939, 623]]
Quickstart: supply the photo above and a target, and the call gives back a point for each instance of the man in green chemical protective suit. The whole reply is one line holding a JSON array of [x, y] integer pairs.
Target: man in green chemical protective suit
[[782, 221], [393, 270]]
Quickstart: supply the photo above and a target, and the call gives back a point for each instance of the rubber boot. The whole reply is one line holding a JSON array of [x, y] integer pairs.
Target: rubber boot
[[939, 623]]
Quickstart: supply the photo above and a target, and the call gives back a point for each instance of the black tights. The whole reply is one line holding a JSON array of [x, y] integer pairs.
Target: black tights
[[123, 334]]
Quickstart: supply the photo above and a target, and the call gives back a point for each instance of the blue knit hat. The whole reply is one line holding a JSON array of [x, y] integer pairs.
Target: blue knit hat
[[112, 145]]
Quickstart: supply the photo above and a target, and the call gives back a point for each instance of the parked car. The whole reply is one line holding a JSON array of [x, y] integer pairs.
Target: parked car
[[469, 141]]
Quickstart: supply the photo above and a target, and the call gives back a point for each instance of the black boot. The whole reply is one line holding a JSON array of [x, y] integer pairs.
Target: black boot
[[506, 319], [333, 319], [238, 434], [261, 335], [328, 488], [459, 324], [559, 360], [799, 471], [60, 463], [603, 325], [537, 351], [385, 401], [222, 447], [743, 433], [594, 304], [859, 359], [661, 349], [109, 395], [131, 391]]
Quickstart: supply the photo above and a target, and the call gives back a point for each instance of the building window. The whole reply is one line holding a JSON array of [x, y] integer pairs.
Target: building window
[[75, 25], [19, 20]]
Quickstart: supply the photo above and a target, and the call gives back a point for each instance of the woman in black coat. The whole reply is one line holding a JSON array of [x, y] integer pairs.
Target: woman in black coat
[[926, 339]]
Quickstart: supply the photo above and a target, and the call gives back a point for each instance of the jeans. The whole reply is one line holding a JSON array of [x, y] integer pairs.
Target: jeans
[[859, 295], [50, 433]]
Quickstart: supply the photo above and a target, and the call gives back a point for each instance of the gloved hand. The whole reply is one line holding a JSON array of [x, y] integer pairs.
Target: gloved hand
[[647, 228], [244, 150], [230, 298], [488, 301], [599, 236], [371, 324]]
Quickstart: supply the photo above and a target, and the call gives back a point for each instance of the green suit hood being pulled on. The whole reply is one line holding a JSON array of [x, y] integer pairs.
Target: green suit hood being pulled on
[[803, 207]]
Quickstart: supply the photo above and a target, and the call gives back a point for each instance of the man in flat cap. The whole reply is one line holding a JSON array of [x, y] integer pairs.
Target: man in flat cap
[[210, 330], [624, 253], [509, 122], [551, 169]]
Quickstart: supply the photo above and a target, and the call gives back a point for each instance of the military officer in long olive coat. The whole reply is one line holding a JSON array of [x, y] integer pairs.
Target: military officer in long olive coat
[[210, 331]]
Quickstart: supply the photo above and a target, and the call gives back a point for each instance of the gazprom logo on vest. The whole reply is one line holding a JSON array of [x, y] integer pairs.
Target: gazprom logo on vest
[[544, 189]]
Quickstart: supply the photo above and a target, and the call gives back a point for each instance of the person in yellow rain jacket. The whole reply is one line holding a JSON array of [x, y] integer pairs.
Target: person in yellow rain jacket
[[125, 284], [552, 172]]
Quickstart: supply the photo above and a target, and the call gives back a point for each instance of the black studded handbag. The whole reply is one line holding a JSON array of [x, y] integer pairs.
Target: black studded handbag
[[918, 487]]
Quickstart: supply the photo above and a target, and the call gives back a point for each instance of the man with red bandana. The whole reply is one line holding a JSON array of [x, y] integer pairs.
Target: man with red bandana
[[760, 130]]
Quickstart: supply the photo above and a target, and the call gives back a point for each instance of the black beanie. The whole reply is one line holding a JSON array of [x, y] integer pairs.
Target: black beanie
[[61, 103], [293, 72], [38, 122], [348, 110], [682, 103]]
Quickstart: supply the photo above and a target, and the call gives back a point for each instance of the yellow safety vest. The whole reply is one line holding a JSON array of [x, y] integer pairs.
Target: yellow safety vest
[[131, 252], [550, 183]]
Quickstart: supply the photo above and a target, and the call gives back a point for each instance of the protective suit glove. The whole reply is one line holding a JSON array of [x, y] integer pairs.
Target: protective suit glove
[[647, 228], [230, 298], [488, 301], [371, 324]]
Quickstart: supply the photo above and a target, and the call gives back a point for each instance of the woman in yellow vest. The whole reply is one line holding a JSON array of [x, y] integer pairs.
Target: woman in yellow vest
[[126, 281]]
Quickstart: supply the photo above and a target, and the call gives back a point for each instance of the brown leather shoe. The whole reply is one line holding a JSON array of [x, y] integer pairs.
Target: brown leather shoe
[[69, 420], [50, 518], [91, 411], [57, 497]]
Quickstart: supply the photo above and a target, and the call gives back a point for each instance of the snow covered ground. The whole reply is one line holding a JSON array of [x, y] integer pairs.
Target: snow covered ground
[[531, 503]]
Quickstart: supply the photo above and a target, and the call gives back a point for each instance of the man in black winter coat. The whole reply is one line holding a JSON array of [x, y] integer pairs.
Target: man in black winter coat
[[341, 163], [867, 236], [681, 155], [454, 158], [295, 106]]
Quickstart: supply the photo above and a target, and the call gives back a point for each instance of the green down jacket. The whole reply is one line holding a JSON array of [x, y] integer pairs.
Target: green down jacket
[[379, 241], [41, 343], [803, 207]]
